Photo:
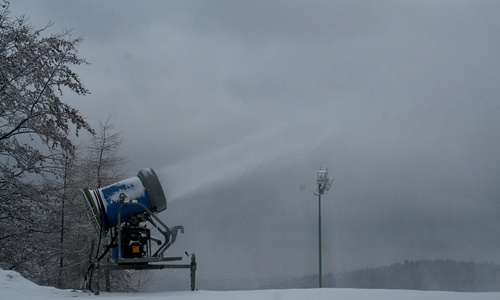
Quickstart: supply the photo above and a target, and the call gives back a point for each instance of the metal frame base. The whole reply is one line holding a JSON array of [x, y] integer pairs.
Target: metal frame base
[[145, 266]]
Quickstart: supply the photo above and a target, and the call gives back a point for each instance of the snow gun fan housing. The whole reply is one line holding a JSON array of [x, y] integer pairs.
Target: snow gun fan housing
[[108, 205]]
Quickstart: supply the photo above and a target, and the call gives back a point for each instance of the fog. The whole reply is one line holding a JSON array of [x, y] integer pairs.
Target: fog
[[236, 105]]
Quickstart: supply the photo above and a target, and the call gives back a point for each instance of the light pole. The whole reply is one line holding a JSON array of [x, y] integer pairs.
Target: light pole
[[324, 184]]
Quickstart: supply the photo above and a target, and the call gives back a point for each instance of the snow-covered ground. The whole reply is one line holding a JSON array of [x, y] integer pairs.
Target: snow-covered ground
[[14, 286]]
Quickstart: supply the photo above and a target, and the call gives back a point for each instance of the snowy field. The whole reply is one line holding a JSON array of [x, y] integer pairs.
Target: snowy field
[[14, 286]]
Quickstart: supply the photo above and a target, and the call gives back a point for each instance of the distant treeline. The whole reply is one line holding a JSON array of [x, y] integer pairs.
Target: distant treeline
[[436, 275]]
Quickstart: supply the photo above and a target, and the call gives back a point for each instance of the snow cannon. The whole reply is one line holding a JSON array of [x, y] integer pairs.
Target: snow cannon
[[127, 210], [119, 202]]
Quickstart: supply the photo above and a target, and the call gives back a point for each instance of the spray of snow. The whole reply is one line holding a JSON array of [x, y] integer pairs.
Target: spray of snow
[[229, 163]]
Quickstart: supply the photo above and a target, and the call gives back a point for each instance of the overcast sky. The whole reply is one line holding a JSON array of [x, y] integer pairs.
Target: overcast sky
[[236, 105]]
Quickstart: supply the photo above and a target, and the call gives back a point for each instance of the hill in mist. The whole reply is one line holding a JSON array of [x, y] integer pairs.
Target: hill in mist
[[427, 275]]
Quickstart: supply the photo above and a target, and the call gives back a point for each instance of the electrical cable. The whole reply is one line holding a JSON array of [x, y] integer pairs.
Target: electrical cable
[[90, 270]]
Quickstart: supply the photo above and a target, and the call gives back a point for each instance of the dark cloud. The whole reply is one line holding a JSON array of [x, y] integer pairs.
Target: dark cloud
[[237, 104]]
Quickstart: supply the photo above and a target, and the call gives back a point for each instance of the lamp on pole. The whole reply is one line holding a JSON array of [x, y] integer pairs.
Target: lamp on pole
[[324, 184]]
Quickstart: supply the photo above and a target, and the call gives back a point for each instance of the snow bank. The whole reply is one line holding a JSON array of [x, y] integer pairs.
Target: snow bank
[[14, 286]]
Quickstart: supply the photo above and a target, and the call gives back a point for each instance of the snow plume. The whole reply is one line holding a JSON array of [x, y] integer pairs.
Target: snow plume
[[229, 164]]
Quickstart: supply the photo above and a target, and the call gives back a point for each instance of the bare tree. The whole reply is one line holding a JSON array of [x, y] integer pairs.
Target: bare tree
[[75, 230], [98, 163], [104, 165]]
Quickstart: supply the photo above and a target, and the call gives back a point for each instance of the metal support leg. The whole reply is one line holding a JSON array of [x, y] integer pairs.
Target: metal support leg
[[193, 272], [98, 285], [108, 284]]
